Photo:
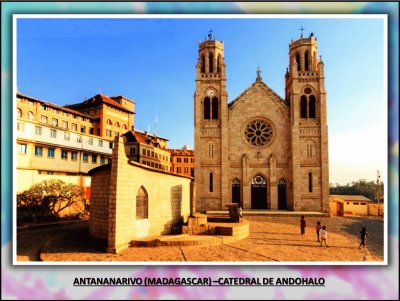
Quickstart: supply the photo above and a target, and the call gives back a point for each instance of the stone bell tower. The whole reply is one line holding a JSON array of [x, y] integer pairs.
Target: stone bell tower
[[306, 94], [210, 125]]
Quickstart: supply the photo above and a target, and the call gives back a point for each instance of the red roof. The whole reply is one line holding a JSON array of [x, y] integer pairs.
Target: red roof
[[142, 138], [181, 152], [97, 99], [122, 96], [66, 109]]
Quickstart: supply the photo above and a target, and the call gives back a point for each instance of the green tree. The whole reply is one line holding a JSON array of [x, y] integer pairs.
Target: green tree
[[360, 187], [50, 197]]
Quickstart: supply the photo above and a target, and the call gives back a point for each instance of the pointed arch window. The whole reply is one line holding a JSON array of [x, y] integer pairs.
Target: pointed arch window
[[310, 184], [203, 64], [207, 106], [298, 61], [311, 110], [142, 204], [211, 62], [215, 108], [303, 106], [306, 62], [19, 113], [219, 63], [211, 182], [31, 116]]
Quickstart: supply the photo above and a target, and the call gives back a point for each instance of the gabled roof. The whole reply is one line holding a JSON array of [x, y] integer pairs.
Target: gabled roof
[[97, 100], [232, 103], [352, 198], [142, 138], [51, 105]]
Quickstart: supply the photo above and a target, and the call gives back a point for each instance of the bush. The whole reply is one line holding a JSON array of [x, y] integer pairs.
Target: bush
[[44, 201]]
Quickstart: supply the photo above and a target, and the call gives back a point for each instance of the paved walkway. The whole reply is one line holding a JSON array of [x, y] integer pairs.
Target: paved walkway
[[271, 239]]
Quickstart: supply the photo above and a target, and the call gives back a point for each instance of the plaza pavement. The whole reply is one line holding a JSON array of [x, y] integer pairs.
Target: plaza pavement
[[272, 239]]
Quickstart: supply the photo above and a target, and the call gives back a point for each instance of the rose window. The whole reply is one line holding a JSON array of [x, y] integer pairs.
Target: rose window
[[258, 132]]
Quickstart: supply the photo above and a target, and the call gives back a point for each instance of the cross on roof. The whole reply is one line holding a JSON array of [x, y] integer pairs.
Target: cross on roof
[[210, 34], [302, 29]]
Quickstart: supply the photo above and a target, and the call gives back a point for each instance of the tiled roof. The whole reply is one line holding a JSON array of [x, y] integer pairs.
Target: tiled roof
[[100, 98], [122, 96], [350, 197], [66, 109], [181, 152], [142, 138]]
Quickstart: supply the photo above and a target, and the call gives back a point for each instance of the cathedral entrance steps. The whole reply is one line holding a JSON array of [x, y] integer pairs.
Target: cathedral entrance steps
[[220, 233], [257, 212]]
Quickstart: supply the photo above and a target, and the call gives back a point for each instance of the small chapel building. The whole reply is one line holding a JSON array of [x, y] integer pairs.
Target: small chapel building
[[260, 150]]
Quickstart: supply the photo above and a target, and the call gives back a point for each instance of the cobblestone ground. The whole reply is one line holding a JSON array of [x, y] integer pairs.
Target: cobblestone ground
[[271, 239]]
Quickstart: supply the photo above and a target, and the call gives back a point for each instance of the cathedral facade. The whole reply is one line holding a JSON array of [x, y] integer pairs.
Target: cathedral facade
[[260, 150]]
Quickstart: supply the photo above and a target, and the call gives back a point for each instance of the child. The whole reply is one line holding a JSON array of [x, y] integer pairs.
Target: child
[[317, 229], [363, 235], [324, 236], [302, 225]]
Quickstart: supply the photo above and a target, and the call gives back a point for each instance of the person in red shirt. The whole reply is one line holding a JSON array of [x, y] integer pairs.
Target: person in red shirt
[[317, 229]]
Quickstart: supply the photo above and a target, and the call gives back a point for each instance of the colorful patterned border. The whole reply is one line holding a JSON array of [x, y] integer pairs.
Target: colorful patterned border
[[369, 282]]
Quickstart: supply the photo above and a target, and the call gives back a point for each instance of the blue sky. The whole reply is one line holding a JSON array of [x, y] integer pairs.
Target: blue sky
[[152, 61]]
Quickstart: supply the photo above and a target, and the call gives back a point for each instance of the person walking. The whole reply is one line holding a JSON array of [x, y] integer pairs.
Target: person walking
[[363, 236], [318, 229], [302, 225], [324, 236]]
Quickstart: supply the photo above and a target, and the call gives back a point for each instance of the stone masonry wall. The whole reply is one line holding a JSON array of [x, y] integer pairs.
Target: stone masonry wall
[[168, 200], [259, 102], [98, 225]]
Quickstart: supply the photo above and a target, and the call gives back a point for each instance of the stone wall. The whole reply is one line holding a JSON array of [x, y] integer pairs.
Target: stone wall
[[98, 225], [113, 210]]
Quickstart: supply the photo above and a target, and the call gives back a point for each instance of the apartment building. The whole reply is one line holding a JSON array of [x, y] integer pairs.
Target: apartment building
[[147, 149], [182, 161], [61, 142], [112, 116]]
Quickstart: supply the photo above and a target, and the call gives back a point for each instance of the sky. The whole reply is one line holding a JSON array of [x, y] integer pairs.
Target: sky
[[152, 61]]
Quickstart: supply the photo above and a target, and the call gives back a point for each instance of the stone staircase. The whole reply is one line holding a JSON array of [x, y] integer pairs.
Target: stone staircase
[[207, 234]]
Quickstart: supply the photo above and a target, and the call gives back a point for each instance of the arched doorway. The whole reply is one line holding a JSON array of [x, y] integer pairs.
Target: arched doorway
[[258, 193], [236, 191], [282, 204]]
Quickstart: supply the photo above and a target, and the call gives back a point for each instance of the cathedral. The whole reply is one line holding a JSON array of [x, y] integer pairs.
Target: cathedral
[[260, 150]]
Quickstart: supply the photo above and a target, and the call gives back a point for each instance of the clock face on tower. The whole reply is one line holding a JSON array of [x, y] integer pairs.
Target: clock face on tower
[[210, 92]]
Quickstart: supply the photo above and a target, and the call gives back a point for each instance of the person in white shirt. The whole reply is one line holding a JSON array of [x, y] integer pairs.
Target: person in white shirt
[[324, 236]]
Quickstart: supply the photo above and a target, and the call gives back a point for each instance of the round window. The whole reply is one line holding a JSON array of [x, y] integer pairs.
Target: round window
[[307, 90], [258, 132]]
